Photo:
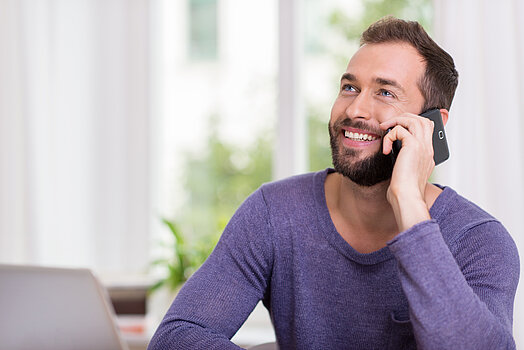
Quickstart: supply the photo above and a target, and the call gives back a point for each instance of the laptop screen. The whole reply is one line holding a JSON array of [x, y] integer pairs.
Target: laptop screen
[[55, 308]]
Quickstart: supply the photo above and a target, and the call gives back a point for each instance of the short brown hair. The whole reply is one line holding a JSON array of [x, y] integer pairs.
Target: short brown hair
[[440, 79]]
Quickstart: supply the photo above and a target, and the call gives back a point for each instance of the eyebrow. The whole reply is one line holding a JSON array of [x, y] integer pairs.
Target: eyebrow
[[384, 81], [378, 80], [348, 76]]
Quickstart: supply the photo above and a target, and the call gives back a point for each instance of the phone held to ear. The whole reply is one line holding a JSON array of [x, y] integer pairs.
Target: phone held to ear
[[440, 144]]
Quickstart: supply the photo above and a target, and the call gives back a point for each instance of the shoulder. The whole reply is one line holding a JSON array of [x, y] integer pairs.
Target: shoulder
[[456, 214], [294, 184], [283, 194], [469, 230], [271, 207], [294, 198], [298, 187]]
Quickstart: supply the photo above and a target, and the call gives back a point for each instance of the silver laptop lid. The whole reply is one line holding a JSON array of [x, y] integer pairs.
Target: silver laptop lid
[[54, 308]]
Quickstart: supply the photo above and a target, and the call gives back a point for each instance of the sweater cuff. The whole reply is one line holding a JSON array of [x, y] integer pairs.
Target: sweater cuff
[[415, 233]]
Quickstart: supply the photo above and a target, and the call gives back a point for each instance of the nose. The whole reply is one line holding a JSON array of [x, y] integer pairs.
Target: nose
[[361, 107]]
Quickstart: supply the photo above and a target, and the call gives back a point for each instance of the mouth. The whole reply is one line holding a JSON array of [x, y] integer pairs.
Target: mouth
[[357, 135]]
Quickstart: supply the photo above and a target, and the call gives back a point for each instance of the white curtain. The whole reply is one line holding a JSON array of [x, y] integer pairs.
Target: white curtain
[[486, 123], [74, 133]]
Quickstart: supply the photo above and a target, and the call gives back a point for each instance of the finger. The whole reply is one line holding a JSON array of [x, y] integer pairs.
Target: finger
[[430, 126], [427, 126], [401, 119], [397, 133], [410, 123], [418, 126]]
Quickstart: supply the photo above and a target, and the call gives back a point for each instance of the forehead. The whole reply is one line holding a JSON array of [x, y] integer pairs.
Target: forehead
[[394, 61]]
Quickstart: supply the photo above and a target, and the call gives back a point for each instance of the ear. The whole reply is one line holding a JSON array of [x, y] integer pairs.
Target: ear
[[445, 114]]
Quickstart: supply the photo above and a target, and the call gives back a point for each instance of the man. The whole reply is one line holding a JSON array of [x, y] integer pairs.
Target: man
[[368, 255]]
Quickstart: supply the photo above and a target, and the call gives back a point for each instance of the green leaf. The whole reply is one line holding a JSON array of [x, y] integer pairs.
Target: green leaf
[[174, 231], [160, 262], [156, 286]]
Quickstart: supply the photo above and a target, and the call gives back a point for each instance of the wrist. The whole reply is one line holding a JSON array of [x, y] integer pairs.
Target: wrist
[[409, 209]]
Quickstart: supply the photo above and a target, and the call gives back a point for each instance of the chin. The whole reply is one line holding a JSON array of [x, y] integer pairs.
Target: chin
[[368, 171]]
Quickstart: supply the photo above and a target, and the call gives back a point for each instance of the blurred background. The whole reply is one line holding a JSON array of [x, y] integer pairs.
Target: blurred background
[[131, 130]]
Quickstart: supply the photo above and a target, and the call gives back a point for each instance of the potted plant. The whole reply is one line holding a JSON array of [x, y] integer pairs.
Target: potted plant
[[187, 254]]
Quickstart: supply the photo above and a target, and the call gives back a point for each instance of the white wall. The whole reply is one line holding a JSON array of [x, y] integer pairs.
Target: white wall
[[486, 40], [75, 130]]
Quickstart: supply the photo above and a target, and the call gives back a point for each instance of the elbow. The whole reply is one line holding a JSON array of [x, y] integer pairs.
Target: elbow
[[496, 338], [171, 335]]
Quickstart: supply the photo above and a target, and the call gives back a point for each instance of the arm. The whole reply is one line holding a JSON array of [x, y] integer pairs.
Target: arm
[[452, 306], [219, 297], [413, 167], [461, 302]]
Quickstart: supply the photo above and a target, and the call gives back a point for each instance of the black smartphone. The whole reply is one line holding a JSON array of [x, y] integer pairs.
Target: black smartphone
[[440, 143]]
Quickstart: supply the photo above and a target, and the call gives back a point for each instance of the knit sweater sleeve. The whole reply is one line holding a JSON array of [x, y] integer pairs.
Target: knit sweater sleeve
[[464, 299], [218, 298]]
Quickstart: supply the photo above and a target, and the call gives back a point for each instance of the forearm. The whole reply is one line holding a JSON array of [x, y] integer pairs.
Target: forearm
[[179, 334], [214, 303], [445, 311], [409, 209], [207, 312]]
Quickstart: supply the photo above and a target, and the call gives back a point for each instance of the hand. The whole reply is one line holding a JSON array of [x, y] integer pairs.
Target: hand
[[413, 167]]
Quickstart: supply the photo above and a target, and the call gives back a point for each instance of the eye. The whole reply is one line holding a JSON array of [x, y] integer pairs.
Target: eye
[[348, 88], [386, 93]]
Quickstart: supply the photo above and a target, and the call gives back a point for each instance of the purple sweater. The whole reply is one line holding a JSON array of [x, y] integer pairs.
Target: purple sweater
[[447, 283]]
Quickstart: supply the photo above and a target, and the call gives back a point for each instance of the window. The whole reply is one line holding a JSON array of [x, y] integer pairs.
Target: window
[[332, 31], [203, 29], [214, 119]]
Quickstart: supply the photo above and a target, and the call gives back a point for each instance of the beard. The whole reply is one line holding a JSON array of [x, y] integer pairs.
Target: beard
[[366, 172]]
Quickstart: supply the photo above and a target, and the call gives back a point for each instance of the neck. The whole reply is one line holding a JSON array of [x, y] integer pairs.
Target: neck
[[365, 207], [362, 215]]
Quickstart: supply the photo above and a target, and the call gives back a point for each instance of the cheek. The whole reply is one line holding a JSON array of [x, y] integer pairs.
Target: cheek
[[385, 110], [338, 109], [388, 114]]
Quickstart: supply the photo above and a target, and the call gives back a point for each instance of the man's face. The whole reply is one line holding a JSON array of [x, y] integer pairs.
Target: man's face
[[381, 82]]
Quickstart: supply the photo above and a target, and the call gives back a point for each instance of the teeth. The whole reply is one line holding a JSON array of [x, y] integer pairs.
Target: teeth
[[355, 136]]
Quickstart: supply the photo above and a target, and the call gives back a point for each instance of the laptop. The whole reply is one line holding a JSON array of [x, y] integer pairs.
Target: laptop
[[55, 308]]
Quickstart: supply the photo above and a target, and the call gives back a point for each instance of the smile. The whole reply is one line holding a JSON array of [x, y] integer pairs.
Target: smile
[[355, 136]]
